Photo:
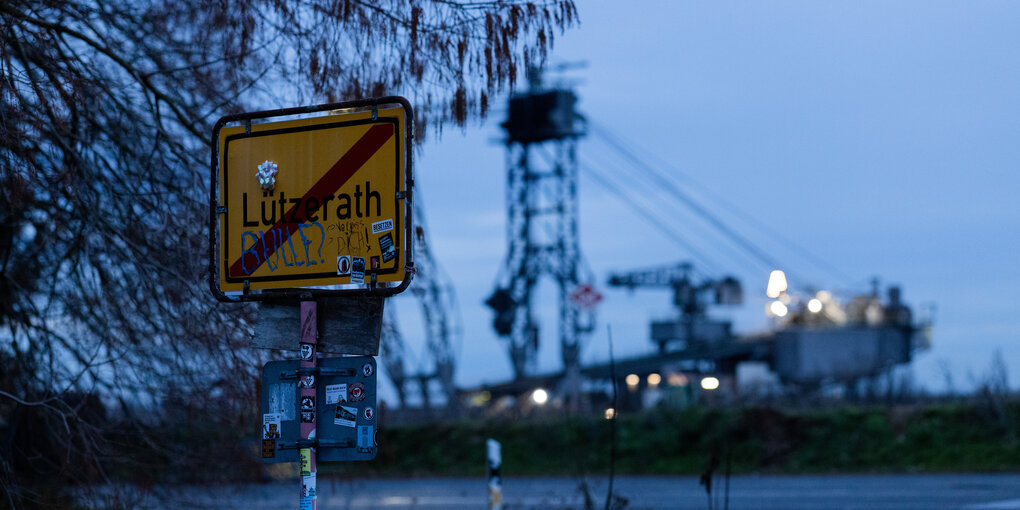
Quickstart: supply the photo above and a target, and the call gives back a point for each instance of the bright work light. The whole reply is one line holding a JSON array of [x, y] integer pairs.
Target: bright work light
[[777, 284], [540, 396]]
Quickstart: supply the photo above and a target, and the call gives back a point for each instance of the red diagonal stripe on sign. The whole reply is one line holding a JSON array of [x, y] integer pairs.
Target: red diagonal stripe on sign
[[330, 182]]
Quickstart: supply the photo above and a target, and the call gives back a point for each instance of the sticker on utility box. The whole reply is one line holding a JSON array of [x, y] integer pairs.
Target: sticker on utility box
[[336, 393], [271, 425], [366, 435], [281, 398], [346, 416], [356, 393], [366, 438]]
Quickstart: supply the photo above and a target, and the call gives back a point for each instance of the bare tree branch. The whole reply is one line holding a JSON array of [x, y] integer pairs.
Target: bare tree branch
[[107, 331]]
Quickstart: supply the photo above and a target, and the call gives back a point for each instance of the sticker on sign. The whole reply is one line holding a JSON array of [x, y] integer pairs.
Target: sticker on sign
[[336, 171], [387, 248], [382, 226], [358, 270], [343, 265]]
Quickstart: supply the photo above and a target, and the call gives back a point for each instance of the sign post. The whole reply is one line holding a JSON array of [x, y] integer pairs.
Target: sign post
[[306, 388], [310, 213]]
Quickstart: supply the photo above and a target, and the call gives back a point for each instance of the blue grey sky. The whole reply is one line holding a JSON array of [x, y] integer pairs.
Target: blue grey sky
[[882, 137]]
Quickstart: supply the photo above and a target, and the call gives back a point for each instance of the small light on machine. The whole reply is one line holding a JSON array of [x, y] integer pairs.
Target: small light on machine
[[676, 379], [778, 309]]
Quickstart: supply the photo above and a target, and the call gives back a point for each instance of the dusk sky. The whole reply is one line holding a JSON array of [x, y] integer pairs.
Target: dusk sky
[[880, 137]]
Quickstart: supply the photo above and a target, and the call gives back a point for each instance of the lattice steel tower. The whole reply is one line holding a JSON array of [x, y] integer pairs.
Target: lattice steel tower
[[434, 292], [542, 238]]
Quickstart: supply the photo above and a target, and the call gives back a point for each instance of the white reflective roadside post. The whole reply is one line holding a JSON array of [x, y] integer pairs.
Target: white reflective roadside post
[[306, 398], [495, 461]]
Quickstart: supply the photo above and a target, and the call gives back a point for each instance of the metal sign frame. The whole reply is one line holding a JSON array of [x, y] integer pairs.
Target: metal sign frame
[[404, 142]]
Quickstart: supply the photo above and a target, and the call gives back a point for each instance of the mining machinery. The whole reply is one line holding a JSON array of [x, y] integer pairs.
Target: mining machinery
[[817, 338], [542, 130], [442, 330], [691, 297]]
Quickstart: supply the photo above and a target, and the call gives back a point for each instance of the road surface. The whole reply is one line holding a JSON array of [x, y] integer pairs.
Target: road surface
[[815, 492]]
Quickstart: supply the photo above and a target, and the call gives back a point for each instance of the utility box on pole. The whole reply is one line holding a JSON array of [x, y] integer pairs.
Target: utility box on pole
[[344, 405]]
